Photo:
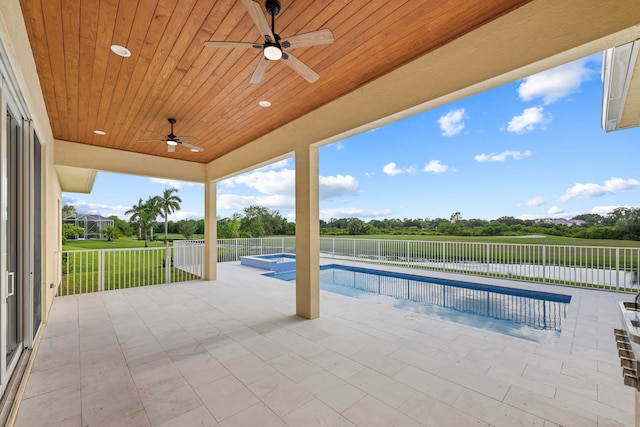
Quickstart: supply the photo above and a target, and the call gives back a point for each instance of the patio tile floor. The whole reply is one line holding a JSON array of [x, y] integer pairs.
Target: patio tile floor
[[233, 353]]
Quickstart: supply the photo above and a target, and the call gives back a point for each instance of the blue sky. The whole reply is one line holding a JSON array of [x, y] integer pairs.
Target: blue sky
[[533, 148]]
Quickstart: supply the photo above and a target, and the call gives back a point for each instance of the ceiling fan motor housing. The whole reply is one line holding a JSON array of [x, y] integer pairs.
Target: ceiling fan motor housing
[[272, 6]]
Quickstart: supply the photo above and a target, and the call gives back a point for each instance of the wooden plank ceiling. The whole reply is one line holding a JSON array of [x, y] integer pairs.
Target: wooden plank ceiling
[[170, 73]]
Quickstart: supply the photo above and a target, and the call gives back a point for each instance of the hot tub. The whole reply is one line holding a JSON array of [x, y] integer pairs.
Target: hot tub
[[272, 262]]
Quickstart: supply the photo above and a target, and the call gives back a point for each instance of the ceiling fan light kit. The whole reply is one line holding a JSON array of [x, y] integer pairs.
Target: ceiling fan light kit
[[273, 49], [273, 53]]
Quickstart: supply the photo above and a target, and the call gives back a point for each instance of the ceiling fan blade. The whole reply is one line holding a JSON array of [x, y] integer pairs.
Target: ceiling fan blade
[[261, 68], [188, 138], [193, 147], [257, 15], [300, 68], [242, 45], [157, 133], [171, 148], [314, 38], [151, 140]]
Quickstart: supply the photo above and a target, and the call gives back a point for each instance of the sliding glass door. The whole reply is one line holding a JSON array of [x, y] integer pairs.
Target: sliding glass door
[[12, 319]]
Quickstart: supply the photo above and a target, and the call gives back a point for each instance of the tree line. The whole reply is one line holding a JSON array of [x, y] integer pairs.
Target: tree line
[[257, 221], [621, 224]]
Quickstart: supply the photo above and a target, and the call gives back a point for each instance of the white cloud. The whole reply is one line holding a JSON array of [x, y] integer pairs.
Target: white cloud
[[587, 191], [392, 169], [555, 210], [452, 123], [277, 189], [180, 215], [235, 202], [525, 217], [172, 183], [534, 201], [339, 185], [268, 182], [96, 208], [529, 120], [492, 157], [606, 210], [435, 167], [554, 84], [339, 146], [327, 214], [284, 163]]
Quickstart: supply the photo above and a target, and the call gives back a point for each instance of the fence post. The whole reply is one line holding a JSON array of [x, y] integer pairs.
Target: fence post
[[408, 253], [488, 257], [378, 250], [101, 270], [544, 264], [167, 265], [617, 269], [236, 251]]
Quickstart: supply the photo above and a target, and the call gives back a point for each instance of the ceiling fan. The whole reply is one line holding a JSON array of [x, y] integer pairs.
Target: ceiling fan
[[172, 140], [273, 48]]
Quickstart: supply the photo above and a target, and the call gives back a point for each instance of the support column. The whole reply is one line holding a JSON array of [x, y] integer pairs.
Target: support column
[[307, 233], [210, 232]]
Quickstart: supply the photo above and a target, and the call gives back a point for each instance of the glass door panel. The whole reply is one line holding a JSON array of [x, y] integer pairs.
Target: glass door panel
[[13, 332]]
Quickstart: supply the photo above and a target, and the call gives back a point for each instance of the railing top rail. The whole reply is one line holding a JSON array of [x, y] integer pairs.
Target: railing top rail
[[479, 243]]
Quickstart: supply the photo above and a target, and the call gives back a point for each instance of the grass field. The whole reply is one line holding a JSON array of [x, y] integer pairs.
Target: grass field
[[122, 242]]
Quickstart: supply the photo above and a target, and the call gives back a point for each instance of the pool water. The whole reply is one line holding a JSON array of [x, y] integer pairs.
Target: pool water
[[531, 315]]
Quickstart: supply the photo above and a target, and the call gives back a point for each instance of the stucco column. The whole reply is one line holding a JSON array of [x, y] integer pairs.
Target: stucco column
[[307, 233], [210, 232]]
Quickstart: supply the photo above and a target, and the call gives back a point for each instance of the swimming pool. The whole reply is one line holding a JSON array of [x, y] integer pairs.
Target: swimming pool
[[531, 315]]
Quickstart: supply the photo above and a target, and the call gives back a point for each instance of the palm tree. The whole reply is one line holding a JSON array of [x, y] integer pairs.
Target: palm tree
[[151, 211], [136, 212], [169, 203]]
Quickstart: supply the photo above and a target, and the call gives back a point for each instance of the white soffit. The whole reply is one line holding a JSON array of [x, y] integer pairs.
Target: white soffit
[[618, 68], [76, 180]]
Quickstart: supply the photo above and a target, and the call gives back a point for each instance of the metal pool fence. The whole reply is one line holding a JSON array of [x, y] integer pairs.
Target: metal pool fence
[[598, 267], [612, 268]]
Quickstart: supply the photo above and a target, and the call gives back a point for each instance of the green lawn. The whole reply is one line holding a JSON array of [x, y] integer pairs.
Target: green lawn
[[123, 242]]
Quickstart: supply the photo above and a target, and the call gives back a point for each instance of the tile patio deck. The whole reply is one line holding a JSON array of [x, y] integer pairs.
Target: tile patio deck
[[232, 353]]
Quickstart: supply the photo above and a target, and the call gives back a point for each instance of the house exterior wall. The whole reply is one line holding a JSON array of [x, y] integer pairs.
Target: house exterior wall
[[13, 36]]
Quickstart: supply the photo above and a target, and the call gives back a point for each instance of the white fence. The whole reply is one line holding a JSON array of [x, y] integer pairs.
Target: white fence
[[108, 269], [613, 268]]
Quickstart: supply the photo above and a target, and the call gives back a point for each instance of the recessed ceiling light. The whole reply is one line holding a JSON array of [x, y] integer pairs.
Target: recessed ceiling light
[[195, 150], [99, 132], [264, 104], [120, 50]]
